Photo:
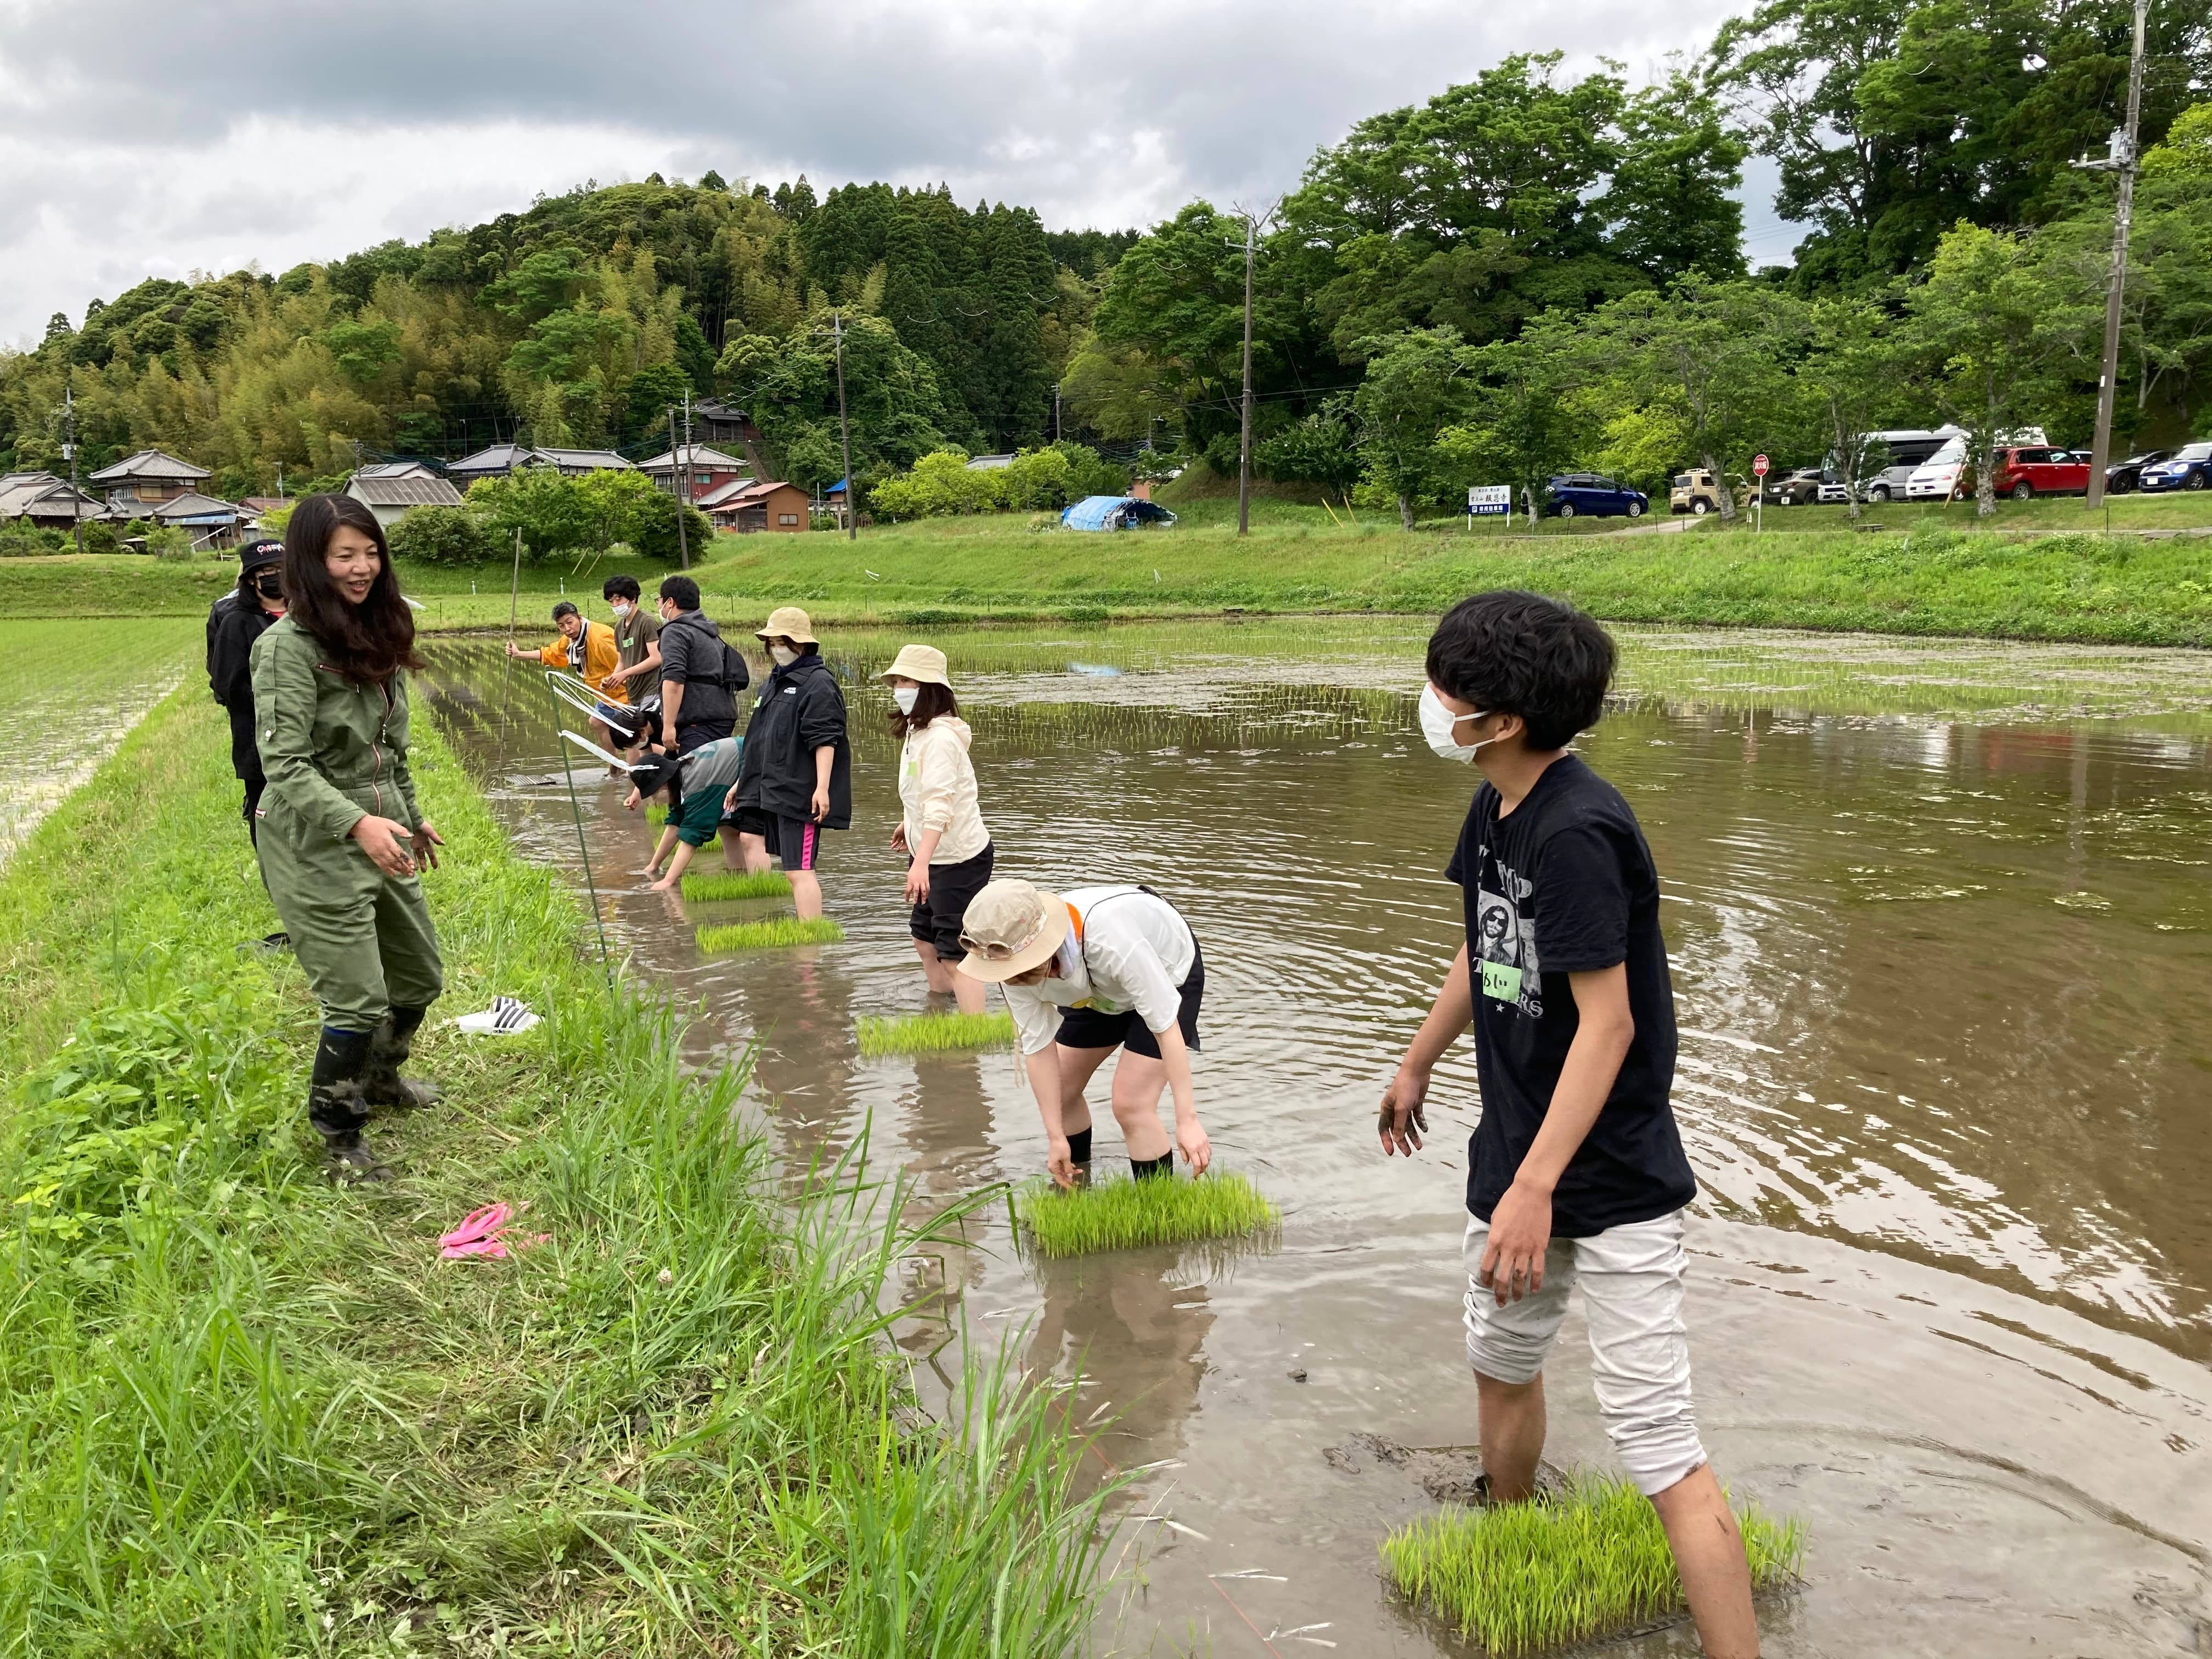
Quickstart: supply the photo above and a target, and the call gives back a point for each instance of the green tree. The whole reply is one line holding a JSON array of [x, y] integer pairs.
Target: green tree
[[1671, 197], [1525, 421], [443, 536], [1413, 387], [898, 413], [1852, 379]]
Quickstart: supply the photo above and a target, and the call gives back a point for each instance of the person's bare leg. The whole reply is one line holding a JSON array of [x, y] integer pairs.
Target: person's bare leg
[[1076, 1067], [970, 996], [1139, 1082], [754, 851], [677, 867], [1512, 1434], [805, 894], [1701, 1530], [939, 972], [733, 856]]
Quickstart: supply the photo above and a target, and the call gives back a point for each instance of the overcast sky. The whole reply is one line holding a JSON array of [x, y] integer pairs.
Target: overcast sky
[[149, 138]]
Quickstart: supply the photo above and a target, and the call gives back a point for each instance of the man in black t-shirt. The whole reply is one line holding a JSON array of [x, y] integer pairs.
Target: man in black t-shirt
[[1576, 1172]]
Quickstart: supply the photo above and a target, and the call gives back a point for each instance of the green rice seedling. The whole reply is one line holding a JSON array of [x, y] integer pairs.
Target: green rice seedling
[[925, 1034], [714, 885], [1125, 1215], [777, 933], [1584, 1562], [656, 815]]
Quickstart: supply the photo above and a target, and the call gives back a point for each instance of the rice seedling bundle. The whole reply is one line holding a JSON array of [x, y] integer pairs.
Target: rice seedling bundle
[[1126, 1214], [713, 885], [924, 1034], [1588, 1561], [778, 933]]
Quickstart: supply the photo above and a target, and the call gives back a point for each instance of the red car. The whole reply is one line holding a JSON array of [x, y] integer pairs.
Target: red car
[[2025, 472]]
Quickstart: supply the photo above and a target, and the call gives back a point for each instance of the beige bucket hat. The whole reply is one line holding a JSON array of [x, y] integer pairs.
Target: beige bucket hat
[[924, 663], [1010, 928], [787, 621]]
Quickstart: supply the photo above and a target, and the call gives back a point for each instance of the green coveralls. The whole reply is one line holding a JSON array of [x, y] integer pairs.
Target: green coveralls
[[336, 753]]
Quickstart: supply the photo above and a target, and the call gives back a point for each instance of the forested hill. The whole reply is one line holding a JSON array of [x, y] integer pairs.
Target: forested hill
[[578, 322]]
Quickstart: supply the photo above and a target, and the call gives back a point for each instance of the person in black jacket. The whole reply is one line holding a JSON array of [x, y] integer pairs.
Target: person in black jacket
[[700, 674], [237, 621], [796, 778]]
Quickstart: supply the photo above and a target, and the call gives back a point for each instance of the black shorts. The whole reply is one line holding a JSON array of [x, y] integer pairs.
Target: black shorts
[[1086, 1028], [748, 822], [796, 842], [937, 920], [695, 734]]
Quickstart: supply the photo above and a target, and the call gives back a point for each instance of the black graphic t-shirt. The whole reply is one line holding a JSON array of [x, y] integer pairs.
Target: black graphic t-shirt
[[1564, 884]]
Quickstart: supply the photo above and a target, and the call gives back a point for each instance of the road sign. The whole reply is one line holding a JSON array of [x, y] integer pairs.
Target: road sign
[[1758, 465], [1490, 500]]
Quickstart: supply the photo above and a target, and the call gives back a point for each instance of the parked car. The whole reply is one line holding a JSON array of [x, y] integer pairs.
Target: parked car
[[2121, 477], [1699, 492], [2026, 471], [1586, 493], [2190, 467], [1938, 478], [1886, 461], [1833, 493], [1799, 489]]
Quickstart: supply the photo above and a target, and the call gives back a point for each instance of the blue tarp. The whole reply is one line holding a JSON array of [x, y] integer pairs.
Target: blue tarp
[[1114, 512]]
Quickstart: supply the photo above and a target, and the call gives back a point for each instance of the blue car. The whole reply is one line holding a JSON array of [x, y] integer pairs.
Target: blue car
[[2189, 468], [1586, 493]]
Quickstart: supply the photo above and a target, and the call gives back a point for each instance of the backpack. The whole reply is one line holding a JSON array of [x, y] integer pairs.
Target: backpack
[[214, 627]]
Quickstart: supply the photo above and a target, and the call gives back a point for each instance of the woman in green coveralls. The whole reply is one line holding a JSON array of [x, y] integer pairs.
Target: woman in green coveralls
[[340, 837]]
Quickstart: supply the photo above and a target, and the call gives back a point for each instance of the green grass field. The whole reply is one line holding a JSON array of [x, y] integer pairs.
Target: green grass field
[[929, 1034], [2038, 571], [777, 933], [1120, 1213], [246, 1413], [1521, 1578]]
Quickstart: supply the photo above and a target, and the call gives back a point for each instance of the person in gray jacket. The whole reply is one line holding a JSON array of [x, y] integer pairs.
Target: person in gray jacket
[[700, 674]]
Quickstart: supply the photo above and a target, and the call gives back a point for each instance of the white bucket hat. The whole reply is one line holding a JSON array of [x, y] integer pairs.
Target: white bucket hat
[[924, 663], [1010, 928]]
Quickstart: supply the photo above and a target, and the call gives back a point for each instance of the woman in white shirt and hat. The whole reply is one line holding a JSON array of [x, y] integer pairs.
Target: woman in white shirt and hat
[[941, 829], [1126, 968]]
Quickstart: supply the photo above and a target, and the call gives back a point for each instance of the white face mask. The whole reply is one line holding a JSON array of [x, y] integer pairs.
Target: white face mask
[[1441, 727], [620, 607], [906, 696], [784, 655]]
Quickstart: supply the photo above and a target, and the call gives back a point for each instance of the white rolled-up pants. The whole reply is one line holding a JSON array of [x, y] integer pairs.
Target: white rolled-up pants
[[1631, 1280]]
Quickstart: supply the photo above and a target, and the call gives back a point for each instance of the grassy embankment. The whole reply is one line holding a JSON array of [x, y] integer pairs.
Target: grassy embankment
[[2039, 570], [245, 1412]]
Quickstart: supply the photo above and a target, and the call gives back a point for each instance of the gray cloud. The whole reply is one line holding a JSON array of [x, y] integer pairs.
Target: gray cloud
[[142, 137]]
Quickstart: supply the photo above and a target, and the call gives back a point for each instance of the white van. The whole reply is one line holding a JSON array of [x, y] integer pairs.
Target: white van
[[1946, 474], [1887, 461]]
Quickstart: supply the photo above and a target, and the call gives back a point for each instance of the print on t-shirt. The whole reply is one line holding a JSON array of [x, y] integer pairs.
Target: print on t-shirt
[[1511, 969]]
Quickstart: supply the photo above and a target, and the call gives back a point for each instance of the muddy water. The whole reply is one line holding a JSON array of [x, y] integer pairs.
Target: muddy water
[[1940, 927]]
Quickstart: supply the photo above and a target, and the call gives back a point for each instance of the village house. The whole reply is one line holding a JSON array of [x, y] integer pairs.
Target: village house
[[500, 459], [746, 507], [393, 499], [135, 486], [45, 500], [703, 469]]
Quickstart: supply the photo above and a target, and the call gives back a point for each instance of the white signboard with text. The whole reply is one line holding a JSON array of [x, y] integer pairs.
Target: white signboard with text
[[1490, 500]]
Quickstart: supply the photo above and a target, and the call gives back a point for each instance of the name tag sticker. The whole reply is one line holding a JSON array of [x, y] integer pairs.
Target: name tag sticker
[[1502, 980]]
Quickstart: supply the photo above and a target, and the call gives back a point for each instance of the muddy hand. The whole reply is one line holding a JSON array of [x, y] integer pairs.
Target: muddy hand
[[1402, 1118]]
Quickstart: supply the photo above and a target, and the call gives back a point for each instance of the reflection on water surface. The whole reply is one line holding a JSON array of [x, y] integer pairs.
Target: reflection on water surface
[[1940, 947]]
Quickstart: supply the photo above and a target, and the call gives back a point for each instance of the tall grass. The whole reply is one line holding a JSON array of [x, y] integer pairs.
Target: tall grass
[[777, 934], [713, 886], [1121, 1213], [1581, 1563], [242, 1413], [926, 1034]]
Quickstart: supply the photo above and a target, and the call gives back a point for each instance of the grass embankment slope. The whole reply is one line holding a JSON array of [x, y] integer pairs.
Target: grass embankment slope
[[2039, 570], [246, 1413]]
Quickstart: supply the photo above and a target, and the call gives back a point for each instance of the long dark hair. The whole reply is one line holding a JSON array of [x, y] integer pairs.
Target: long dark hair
[[932, 700], [367, 642]]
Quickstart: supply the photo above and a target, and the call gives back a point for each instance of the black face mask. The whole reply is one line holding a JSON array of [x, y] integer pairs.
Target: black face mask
[[270, 587]]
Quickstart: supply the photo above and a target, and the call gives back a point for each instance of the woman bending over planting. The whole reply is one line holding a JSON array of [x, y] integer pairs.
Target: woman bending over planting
[[941, 831], [1124, 964], [341, 841]]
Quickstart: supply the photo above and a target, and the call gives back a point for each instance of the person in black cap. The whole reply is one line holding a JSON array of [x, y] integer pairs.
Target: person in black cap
[[236, 621]]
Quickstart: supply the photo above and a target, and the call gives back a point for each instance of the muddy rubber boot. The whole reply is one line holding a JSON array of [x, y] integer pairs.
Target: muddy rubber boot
[[388, 1048], [1079, 1154], [336, 1109], [1152, 1169]]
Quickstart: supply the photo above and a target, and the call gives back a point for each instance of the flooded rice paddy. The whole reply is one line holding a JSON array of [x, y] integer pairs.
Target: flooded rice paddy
[[68, 692], [1941, 932]]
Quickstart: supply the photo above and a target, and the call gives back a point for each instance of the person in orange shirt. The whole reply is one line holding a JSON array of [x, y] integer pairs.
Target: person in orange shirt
[[587, 650]]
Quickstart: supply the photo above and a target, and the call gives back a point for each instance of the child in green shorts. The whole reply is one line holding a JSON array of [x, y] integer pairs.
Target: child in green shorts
[[695, 784]]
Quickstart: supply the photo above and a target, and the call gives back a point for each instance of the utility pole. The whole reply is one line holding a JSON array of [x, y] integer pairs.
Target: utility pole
[[69, 411], [676, 482], [844, 428], [1244, 445], [280, 482], [2121, 158], [1055, 411]]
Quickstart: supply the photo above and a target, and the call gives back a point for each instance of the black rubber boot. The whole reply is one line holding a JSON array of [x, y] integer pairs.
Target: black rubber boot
[[1079, 1154], [337, 1110], [1153, 1169], [388, 1048]]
